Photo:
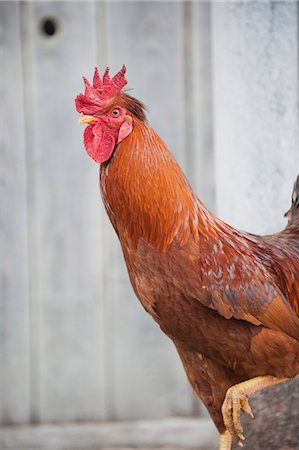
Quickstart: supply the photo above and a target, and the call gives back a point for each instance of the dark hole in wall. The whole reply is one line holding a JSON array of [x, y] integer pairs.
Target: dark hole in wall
[[49, 26]]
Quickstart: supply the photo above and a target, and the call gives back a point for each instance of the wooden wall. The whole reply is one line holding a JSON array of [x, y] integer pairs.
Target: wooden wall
[[74, 342]]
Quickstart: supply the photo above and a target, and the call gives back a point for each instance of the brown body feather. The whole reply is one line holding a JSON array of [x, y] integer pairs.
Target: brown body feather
[[229, 300]]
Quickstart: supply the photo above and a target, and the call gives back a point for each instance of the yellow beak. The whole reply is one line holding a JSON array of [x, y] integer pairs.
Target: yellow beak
[[86, 119]]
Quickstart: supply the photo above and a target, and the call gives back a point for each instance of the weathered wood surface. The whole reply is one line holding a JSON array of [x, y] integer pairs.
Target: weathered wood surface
[[257, 157], [14, 303], [199, 100], [256, 129], [68, 377], [76, 344]]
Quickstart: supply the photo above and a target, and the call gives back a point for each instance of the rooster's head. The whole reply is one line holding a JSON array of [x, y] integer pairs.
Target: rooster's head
[[109, 113]]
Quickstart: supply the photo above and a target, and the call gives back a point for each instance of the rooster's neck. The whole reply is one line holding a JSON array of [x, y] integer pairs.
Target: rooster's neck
[[146, 194]]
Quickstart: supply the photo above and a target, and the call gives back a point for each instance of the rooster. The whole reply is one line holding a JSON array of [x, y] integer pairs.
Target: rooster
[[229, 300]]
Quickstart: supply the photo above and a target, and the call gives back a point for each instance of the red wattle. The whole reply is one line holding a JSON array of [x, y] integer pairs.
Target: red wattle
[[98, 144], [106, 148]]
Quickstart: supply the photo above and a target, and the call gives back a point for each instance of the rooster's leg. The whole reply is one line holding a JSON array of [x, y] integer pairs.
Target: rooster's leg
[[236, 400], [225, 441]]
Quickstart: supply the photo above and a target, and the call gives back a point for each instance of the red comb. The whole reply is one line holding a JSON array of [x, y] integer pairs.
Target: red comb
[[97, 95]]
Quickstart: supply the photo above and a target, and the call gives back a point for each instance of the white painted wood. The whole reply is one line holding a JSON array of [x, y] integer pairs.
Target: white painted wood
[[149, 379], [148, 38], [198, 96], [67, 252], [14, 308], [174, 433], [255, 48]]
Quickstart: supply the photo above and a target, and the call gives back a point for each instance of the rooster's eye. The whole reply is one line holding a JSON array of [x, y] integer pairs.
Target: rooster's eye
[[115, 112]]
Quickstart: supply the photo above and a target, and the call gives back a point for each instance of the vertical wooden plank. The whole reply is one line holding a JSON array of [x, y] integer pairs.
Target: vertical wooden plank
[[67, 255], [152, 50], [255, 47], [14, 332], [257, 157], [148, 375], [199, 100]]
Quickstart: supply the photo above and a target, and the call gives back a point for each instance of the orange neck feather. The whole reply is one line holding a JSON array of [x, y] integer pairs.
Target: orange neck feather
[[146, 194]]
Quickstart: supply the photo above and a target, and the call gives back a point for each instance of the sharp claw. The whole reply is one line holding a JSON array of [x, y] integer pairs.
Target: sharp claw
[[249, 413], [246, 408], [239, 432], [240, 444]]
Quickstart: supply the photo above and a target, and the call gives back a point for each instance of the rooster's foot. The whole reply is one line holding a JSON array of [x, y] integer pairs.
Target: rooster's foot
[[235, 401]]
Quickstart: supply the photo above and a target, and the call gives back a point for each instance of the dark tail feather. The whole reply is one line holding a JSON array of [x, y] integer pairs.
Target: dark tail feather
[[293, 213]]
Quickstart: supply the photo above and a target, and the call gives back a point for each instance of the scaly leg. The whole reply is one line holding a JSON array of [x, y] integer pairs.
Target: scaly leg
[[225, 441], [236, 400]]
